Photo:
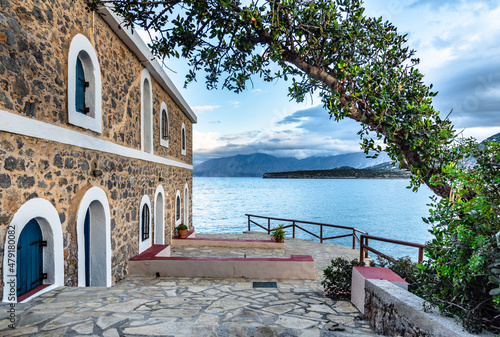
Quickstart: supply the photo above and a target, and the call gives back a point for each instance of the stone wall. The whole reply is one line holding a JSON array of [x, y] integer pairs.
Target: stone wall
[[393, 311], [34, 43], [33, 168]]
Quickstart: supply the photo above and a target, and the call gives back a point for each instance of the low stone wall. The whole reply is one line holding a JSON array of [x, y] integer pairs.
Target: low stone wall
[[393, 311], [297, 267]]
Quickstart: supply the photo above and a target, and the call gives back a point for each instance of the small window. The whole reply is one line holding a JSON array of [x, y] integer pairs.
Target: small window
[[164, 125], [146, 112], [145, 222], [183, 140], [178, 208], [84, 85]]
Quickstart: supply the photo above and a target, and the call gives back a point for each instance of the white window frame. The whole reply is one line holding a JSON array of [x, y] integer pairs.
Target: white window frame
[[164, 142], [82, 48], [183, 150], [145, 76], [143, 245]]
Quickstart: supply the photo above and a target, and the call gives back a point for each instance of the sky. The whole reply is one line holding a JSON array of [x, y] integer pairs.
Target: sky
[[457, 41]]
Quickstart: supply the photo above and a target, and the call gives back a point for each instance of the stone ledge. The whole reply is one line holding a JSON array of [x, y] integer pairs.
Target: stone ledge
[[297, 267], [394, 311]]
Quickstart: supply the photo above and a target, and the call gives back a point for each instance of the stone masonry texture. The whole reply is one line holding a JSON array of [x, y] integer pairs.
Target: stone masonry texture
[[34, 42]]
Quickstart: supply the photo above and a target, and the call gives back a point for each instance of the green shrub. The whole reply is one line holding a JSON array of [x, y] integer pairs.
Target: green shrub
[[337, 278], [459, 274]]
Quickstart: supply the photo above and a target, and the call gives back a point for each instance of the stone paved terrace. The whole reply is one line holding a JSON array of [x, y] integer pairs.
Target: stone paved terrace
[[165, 306]]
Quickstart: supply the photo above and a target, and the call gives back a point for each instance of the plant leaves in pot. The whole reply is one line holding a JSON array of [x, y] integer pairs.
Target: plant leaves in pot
[[278, 234], [182, 230]]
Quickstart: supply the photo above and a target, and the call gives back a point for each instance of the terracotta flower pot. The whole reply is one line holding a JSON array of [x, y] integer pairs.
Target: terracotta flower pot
[[182, 233]]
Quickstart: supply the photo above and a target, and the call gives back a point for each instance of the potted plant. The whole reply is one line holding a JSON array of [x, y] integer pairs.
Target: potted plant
[[182, 230], [278, 234]]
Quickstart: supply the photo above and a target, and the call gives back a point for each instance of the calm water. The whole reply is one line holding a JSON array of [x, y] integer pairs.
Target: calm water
[[380, 207]]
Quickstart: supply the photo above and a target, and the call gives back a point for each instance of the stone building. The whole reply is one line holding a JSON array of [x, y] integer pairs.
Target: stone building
[[95, 148]]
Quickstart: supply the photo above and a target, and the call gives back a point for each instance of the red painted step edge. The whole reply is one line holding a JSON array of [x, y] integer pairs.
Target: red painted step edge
[[32, 292], [377, 273]]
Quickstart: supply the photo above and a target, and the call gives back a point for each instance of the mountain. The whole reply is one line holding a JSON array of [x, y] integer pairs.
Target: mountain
[[255, 165], [495, 138]]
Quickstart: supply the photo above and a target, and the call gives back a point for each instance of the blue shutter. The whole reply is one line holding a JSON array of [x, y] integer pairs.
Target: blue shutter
[[80, 87], [29, 258]]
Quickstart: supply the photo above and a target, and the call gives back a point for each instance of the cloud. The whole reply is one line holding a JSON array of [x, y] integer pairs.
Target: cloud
[[258, 91], [235, 104], [308, 132], [204, 108]]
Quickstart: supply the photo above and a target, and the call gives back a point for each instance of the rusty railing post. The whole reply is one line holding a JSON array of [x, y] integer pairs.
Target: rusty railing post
[[249, 223], [353, 239], [366, 250], [293, 227], [268, 226], [420, 254], [321, 233], [361, 247]]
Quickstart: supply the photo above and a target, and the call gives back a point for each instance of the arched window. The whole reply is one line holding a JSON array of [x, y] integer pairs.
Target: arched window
[[84, 85], [146, 112], [183, 139], [145, 222], [178, 208], [164, 127]]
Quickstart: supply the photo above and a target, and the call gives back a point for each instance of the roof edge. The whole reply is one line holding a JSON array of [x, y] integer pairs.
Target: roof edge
[[132, 39]]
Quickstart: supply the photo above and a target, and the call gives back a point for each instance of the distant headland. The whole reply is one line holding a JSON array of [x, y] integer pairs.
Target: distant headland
[[341, 173]]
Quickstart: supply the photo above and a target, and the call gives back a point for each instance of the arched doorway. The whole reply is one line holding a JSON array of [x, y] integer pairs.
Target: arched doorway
[[94, 235], [186, 205], [159, 223], [94, 243], [178, 217], [29, 258], [40, 218]]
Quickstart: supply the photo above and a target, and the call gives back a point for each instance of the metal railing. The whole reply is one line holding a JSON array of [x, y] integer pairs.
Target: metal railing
[[364, 247], [363, 239], [295, 225]]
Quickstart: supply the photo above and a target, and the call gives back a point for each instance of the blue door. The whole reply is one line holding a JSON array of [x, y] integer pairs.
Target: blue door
[[86, 234], [29, 258]]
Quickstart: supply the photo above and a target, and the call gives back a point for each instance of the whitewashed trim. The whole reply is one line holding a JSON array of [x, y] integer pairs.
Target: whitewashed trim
[[53, 256], [183, 139], [164, 142], [143, 245], [159, 222], [98, 195], [34, 128], [146, 97], [81, 46]]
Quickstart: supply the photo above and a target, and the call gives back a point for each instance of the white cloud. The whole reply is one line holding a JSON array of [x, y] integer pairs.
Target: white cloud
[[235, 104], [258, 91], [204, 108]]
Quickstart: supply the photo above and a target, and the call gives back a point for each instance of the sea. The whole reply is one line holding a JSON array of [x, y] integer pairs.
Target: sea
[[381, 207]]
